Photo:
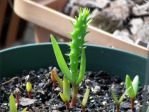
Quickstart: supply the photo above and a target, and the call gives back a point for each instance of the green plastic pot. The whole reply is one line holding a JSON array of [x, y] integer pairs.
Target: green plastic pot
[[34, 56]]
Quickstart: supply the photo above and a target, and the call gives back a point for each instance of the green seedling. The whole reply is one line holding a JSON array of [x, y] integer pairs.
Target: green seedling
[[12, 104], [118, 102], [85, 99], [134, 88], [64, 85], [29, 88], [77, 65]]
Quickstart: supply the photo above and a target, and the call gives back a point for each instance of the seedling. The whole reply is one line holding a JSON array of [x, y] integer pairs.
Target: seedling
[[12, 104], [53, 78], [118, 102], [29, 88], [134, 88], [77, 57], [84, 101]]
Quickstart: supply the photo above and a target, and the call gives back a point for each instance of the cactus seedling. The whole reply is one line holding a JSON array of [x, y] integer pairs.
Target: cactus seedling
[[134, 88], [77, 54]]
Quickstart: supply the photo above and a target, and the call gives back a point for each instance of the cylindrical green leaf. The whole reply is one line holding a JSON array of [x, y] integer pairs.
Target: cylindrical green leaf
[[66, 87], [82, 66], [86, 95]]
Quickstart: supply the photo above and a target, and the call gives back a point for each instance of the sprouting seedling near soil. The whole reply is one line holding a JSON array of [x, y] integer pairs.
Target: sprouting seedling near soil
[[77, 65], [118, 102], [29, 88], [134, 88], [84, 101], [12, 104]]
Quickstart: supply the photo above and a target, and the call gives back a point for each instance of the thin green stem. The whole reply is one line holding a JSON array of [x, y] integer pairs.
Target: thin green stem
[[74, 95]]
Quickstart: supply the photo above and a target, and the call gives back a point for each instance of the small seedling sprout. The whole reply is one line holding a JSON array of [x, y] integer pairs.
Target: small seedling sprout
[[85, 99], [118, 102], [12, 103], [134, 88], [29, 88]]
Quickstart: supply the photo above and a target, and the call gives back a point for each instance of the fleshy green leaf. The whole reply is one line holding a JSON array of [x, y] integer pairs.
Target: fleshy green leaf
[[53, 72], [66, 87], [60, 59], [114, 97], [122, 97], [12, 103], [28, 86], [135, 84], [86, 95], [24, 110], [128, 84], [64, 97], [82, 67]]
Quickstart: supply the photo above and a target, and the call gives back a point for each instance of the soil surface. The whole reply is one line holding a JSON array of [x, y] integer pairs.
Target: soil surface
[[46, 98]]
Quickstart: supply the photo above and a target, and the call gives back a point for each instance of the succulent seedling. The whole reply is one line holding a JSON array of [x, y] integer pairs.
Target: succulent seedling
[[118, 102], [55, 78], [12, 104], [84, 101], [134, 88], [77, 65], [29, 88]]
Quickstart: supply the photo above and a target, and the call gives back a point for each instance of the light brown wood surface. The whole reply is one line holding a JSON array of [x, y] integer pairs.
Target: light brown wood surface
[[51, 19]]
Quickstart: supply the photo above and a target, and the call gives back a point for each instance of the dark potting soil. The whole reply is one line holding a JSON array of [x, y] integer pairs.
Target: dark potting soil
[[46, 98]]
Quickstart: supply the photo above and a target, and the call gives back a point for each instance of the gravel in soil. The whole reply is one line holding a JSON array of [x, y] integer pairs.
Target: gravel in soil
[[46, 98]]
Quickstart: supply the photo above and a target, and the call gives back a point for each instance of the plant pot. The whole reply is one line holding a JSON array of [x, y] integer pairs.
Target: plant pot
[[14, 60], [34, 56]]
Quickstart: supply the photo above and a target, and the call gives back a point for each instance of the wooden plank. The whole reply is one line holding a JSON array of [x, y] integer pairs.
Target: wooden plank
[[12, 30], [3, 7], [59, 23]]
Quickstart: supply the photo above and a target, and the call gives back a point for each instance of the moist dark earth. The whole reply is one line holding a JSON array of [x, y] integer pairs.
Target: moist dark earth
[[47, 97]]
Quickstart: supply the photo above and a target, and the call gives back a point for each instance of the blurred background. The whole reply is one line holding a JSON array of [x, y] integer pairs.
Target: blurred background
[[13, 30], [126, 19]]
